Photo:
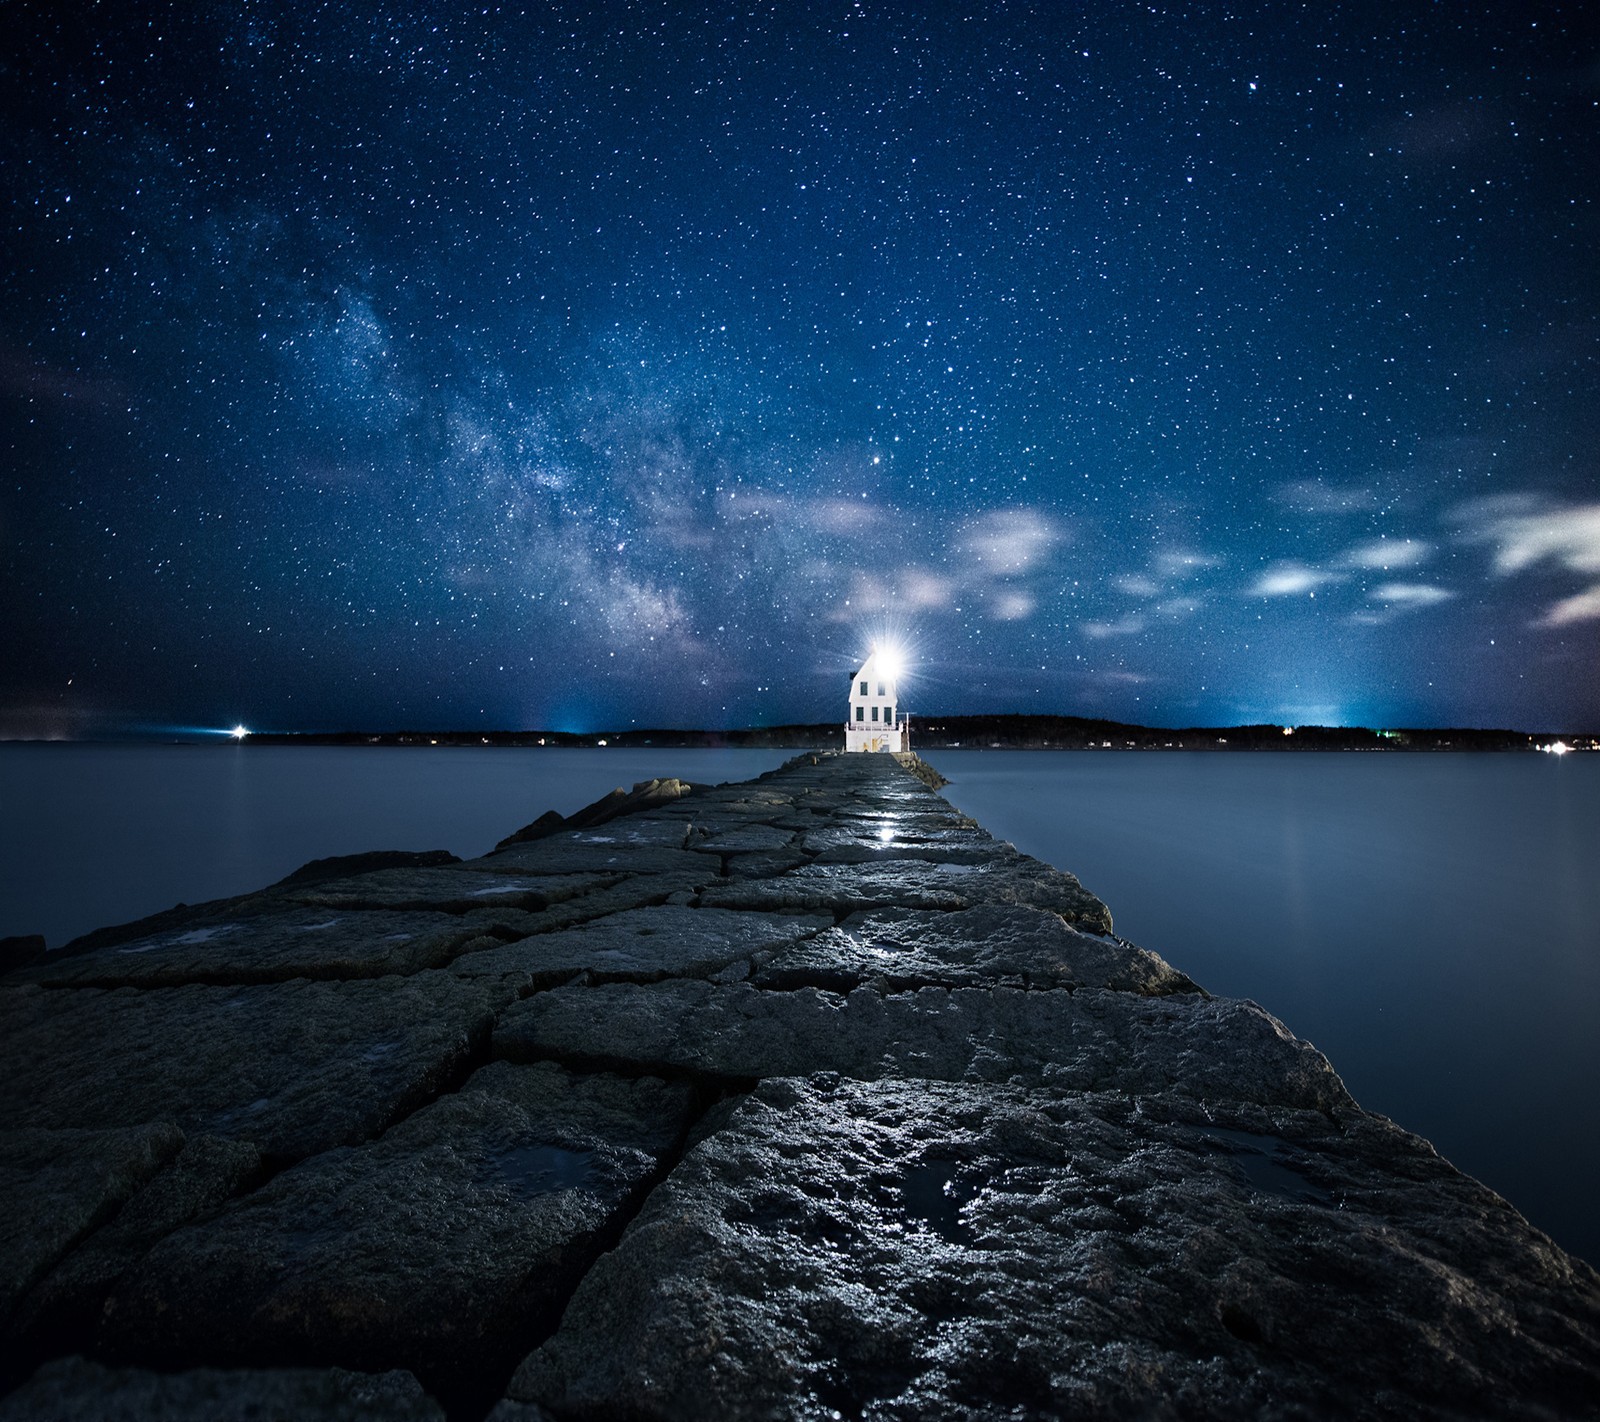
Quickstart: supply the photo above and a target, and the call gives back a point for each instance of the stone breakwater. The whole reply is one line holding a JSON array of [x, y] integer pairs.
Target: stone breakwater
[[797, 1098]]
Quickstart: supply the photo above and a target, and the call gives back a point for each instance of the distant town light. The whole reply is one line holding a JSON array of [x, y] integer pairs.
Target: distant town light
[[1557, 748], [239, 732]]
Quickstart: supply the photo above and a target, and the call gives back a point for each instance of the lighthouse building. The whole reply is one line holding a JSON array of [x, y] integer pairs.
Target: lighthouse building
[[873, 719]]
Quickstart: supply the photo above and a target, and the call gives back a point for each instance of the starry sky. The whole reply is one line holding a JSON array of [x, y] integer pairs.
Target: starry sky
[[586, 365]]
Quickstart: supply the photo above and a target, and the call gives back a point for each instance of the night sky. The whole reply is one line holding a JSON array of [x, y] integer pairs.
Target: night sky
[[575, 366]]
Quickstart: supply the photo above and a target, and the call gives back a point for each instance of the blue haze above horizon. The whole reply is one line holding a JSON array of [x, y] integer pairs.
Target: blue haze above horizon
[[583, 366]]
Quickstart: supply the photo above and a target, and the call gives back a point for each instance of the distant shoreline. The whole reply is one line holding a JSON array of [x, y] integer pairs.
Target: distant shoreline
[[977, 733]]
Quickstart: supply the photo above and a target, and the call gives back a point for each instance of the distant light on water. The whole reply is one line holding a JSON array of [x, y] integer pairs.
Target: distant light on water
[[164, 731]]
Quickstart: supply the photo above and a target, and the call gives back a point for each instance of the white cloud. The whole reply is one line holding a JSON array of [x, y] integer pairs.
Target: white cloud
[[1580, 607], [1122, 627], [1569, 537], [1386, 553], [1288, 579], [842, 517], [920, 588], [1012, 606], [1412, 594], [1527, 533], [1005, 542], [1137, 586]]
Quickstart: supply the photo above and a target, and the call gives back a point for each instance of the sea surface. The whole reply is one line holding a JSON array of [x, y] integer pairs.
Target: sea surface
[[1431, 922]]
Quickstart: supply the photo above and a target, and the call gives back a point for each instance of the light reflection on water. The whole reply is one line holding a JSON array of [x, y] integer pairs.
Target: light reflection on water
[[1431, 922]]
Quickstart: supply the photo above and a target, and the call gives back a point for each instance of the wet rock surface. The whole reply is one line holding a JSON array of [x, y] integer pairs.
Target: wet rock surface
[[295, 1067], [1087, 1041], [455, 1235], [802, 1097], [449, 890], [294, 943], [910, 1250], [903, 948], [1005, 878], [644, 945]]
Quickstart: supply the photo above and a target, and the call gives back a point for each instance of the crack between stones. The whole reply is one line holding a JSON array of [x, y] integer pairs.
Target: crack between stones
[[473, 1404]]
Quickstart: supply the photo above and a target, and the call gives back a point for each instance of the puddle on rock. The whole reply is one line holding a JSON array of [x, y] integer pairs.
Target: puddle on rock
[[538, 1169], [1255, 1156], [935, 1197]]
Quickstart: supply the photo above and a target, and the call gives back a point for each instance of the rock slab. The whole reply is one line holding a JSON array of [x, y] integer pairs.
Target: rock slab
[[903, 1250], [461, 1230]]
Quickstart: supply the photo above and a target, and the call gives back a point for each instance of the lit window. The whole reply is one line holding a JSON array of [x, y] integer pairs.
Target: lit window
[[880, 689], [861, 713], [874, 713]]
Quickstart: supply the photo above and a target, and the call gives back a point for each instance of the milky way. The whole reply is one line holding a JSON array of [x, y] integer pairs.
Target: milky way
[[586, 366]]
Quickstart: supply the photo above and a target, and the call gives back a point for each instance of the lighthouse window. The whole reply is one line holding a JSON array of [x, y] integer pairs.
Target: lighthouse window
[[861, 713], [874, 713], [863, 690], [880, 688]]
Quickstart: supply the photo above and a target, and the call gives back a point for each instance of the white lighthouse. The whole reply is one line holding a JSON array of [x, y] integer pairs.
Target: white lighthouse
[[872, 720]]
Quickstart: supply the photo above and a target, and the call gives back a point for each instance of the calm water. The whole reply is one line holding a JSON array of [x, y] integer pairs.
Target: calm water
[[92, 835], [1431, 922]]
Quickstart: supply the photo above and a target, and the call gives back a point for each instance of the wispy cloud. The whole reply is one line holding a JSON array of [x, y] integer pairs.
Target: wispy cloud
[[1412, 594], [1569, 537], [1529, 533], [1386, 553], [1580, 607], [1006, 542], [1122, 627], [920, 588], [1013, 606], [1289, 579]]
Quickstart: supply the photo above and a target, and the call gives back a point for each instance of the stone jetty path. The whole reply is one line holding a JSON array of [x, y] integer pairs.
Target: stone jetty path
[[796, 1098]]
